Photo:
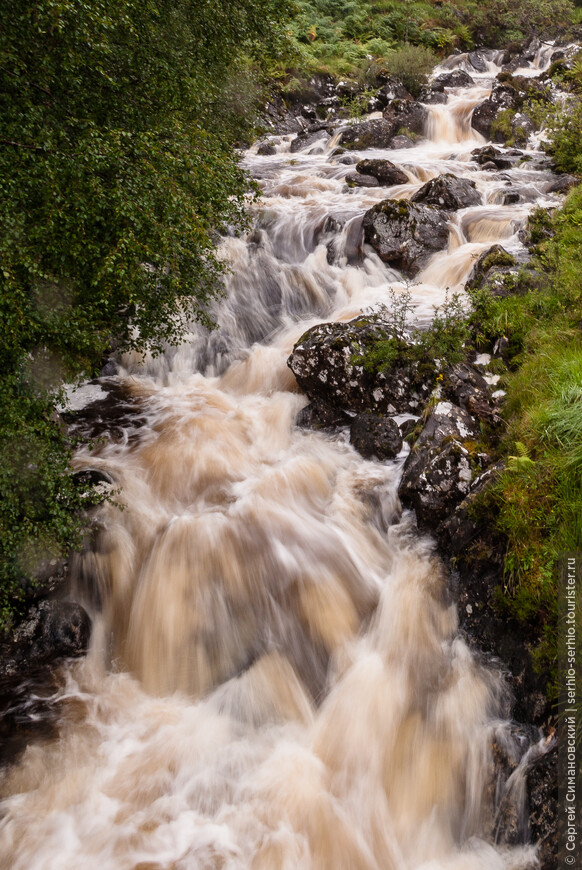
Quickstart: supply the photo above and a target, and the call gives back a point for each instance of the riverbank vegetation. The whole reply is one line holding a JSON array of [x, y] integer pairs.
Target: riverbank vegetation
[[117, 164]]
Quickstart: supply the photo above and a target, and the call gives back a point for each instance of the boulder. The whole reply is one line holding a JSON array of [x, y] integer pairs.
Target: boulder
[[392, 89], [375, 437], [51, 631], [306, 139], [319, 415], [502, 97], [495, 261], [405, 234], [448, 192], [467, 388], [489, 154], [562, 184], [402, 141], [438, 472], [328, 362], [432, 97], [478, 61], [265, 149], [368, 134], [406, 115], [355, 179], [457, 78], [384, 171]]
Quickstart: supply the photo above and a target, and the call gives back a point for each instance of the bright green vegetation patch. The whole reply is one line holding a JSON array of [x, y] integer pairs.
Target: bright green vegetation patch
[[398, 341], [537, 501], [359, 38]]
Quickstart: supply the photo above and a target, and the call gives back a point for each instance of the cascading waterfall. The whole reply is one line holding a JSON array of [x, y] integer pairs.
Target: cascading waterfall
[[276, 680]]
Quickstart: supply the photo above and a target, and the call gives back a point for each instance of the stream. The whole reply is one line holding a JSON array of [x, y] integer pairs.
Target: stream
[[276, 680]]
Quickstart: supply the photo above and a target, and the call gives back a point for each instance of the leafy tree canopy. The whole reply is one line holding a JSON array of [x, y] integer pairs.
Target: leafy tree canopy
[[117, 124]]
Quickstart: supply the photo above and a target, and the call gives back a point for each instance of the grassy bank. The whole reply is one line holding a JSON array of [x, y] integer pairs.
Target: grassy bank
[[537, 502]]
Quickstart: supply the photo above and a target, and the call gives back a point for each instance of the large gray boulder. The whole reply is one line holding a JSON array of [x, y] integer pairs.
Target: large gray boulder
[[328, 362], [405, 234], [439, 469], [448, 192]]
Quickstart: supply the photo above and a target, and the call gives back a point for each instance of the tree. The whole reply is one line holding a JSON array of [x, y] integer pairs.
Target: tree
[[117, 168]]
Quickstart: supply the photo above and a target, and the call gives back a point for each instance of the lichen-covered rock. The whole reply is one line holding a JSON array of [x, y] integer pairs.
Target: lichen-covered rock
[[448, 192], [438, 471], [375, 437], [495, 261], [467, 388], [328, 362], [392, 89], [386, 172], [405, 234]]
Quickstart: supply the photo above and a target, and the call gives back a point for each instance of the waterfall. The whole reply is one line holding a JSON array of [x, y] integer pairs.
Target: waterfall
[[276, 680]]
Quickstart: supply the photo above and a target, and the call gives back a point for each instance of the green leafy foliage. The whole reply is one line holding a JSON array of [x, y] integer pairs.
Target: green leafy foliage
[[117, 169]]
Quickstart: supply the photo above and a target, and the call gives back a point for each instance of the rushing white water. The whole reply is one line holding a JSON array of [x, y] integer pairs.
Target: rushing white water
[[276, 679]]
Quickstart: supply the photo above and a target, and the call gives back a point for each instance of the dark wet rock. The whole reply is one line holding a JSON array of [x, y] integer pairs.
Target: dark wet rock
[[319, 415], [448, 192], [368, 134], [511, 198], [407, 426], [328, 362], [466, 387], [355, 179], [402, 141], [542, 786], [265, 149], [347, 88], [406, 116], [93, 477], [375, 437], [500, 159], [51, 631], [478, 61], [509, 95], [496, 261], [348, 159], [118, 416], [431, 97], [457, 531], [109, 369], [562, 184], [405, 234], [392, 89], [383, 170], [457, 78], [441, 465], [328, 108], [304, 140]]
